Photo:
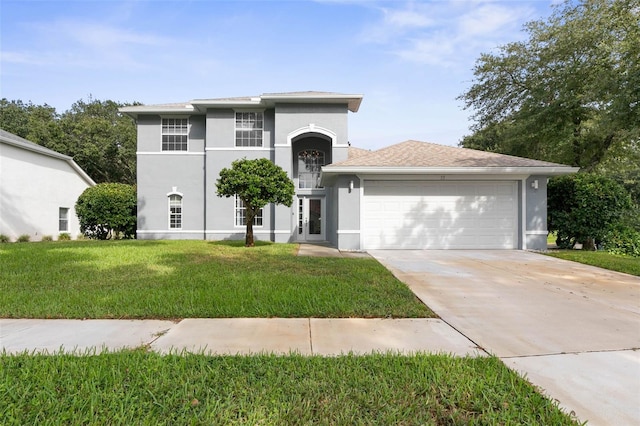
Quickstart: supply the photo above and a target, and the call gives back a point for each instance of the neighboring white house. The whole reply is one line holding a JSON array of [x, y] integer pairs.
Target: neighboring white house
[[38, 190]]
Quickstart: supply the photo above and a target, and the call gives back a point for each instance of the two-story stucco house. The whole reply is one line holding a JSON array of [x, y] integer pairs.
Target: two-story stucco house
[[408, 195]]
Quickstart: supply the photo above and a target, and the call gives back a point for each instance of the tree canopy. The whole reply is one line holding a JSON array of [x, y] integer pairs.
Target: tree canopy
[[569, 93], [257, 183], [100, 139]]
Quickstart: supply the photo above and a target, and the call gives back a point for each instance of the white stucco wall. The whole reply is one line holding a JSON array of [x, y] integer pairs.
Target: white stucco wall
[[33, 187]]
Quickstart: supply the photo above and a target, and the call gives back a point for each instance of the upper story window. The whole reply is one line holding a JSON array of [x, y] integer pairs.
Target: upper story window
[[249, 126], [175, 133], [175, 211], [310, 161]]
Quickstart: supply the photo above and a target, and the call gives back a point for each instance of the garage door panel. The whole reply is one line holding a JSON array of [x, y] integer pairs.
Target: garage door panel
[[440, 215]]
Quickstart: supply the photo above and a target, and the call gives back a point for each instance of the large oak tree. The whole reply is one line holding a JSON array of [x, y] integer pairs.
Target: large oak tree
[[98, 137], [569, 93]]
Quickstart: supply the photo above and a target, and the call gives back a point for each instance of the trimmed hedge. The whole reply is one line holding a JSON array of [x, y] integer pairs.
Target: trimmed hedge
[[108, 210], [583, 208]]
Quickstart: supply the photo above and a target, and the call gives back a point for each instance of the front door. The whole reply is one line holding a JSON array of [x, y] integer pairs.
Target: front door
[[310, 219]]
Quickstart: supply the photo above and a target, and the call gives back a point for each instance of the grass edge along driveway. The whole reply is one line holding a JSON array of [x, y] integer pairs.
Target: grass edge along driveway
[[193, 279], [614, 262]]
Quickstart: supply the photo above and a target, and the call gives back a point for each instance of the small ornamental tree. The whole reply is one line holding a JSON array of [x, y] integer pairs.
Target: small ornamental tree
[[108, 210], [583, 208], [257, 183]]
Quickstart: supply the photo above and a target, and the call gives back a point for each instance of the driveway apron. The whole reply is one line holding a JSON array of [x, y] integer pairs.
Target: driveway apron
[[572, 329]]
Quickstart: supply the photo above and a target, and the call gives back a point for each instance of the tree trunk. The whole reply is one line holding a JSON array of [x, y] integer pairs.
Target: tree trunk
[[250, 213], [248, 240], [576, 143], [589, 244]]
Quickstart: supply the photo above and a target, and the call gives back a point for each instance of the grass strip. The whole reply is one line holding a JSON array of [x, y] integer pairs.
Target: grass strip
[[138, 387], [614, 262], [198, 279]]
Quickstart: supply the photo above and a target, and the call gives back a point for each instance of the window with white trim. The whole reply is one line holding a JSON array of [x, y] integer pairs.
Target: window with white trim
[[310, 162], [175, 134], [175, 211], [63, 219], [241, 214], [249, 126]]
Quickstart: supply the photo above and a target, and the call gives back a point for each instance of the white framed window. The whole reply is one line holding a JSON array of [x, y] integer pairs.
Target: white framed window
[[63, 219], [241, 214], [310, 162], [175, 134], [175, 211], [249, 127]]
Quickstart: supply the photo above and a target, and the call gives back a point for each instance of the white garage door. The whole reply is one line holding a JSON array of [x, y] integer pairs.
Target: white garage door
[[440, 215]]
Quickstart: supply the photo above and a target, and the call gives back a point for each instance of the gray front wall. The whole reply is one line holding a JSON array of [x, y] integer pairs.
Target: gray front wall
[[536, 218], [212, 147], [347, 212], [158, 173]]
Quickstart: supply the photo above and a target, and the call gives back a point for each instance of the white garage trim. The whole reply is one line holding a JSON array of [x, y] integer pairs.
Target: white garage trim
[[439, 214]]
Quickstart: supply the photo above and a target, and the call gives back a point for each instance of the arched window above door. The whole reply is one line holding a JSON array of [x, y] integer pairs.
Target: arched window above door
[[310, 161]]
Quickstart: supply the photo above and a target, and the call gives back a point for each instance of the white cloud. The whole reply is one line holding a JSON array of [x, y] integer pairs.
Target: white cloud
[[489, 20], [438, 49], [99, 35], [87, 44], [21, 58], [407, 19], [447, 33]]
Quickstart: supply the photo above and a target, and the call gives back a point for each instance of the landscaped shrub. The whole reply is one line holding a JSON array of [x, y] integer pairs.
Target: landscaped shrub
[[64, 237], [4, 239], [47, 238], [24, 238], [583, 207], [622, 239], [108, 210]]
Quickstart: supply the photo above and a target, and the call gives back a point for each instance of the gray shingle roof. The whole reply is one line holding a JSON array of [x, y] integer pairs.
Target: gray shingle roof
[[423, 154]]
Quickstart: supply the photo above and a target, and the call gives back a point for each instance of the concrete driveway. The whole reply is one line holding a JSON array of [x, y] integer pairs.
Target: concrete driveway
[[572, 329]]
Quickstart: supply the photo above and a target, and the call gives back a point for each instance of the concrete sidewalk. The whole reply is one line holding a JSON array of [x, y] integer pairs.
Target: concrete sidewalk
[[307, 336], [327, 250]]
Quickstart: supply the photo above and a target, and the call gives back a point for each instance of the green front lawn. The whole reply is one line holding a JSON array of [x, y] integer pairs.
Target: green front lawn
[[146, 388], [601, 259], [180, 279]]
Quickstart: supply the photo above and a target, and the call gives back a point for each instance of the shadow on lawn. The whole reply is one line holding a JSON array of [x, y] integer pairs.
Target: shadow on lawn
[[178, 279]]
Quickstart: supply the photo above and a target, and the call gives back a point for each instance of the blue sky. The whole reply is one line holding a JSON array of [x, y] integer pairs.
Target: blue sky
[[410, 59]]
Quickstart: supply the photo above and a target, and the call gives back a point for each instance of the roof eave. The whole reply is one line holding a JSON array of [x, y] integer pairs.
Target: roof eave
[[365, 170], [353, 101], [203, 104], [135, 111], [37, 148], [81, 172]]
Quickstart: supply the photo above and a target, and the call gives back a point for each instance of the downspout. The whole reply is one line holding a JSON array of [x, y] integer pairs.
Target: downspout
[[361, 204], [204, 185], [523, 215]]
